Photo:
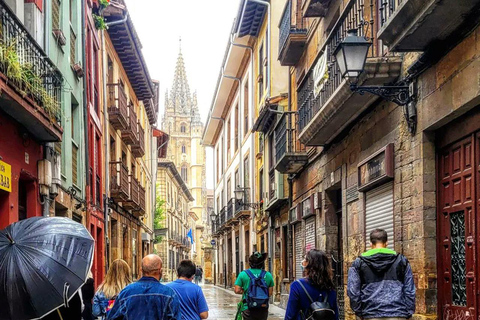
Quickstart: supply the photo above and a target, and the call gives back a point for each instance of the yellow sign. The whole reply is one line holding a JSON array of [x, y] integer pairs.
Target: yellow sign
[[5, 176]]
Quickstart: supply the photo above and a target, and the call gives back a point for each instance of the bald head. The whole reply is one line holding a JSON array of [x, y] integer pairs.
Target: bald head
[[152, 266]]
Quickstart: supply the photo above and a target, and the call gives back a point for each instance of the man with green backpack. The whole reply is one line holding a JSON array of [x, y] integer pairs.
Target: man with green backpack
[[256, 286]]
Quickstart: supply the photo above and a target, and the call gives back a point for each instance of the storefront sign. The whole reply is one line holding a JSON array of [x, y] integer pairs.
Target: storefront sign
[[376, 169], [5, 177]]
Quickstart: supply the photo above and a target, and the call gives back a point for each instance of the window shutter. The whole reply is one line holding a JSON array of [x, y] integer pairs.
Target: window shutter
[[379, 212]]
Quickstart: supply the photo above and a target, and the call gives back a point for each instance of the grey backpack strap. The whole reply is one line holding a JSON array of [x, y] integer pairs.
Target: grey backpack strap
[[304, 289]]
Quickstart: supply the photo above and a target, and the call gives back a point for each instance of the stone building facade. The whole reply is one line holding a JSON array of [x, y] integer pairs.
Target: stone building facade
[[181, 121]]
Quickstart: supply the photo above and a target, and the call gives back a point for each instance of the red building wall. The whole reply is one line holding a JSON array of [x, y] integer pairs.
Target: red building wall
[[17, 148]]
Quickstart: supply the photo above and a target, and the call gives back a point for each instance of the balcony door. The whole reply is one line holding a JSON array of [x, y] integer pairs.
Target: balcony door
[[458, 177]]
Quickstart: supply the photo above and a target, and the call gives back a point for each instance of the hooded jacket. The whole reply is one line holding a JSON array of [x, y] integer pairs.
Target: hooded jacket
[[380, 285]]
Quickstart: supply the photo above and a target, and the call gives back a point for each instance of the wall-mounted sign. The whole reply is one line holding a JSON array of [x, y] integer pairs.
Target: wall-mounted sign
[[320, 73], [213, 242], [376, 169], [5, 176]]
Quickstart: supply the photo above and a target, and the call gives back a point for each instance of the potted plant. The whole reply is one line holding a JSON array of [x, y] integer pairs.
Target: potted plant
[[99, 22]]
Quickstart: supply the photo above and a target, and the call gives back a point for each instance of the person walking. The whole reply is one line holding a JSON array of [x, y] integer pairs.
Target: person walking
[[198, 275], [192, 301], [88, 292], [380, 282], [316, 286], [147, 298], [256, 286], [119, 275]]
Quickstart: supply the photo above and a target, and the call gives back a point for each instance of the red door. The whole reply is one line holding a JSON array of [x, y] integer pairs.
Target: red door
[[456, 229]]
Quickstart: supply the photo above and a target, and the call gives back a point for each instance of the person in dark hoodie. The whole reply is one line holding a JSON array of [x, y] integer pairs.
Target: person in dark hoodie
[[380, 282]]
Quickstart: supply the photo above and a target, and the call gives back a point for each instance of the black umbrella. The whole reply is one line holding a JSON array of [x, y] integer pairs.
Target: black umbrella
[[43, 263]]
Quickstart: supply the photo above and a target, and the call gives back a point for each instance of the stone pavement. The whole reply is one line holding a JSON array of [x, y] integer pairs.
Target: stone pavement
[[223, 304]]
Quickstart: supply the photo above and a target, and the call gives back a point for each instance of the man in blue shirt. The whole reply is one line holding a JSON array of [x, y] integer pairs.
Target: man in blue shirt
[[147, 298], [192, 301]]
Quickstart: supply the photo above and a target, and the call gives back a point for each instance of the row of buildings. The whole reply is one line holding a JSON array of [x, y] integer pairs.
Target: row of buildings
[[334, 117], [78, 111]]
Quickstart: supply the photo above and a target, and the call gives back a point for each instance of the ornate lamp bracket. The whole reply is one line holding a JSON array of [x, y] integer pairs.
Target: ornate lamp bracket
[[403, 95]]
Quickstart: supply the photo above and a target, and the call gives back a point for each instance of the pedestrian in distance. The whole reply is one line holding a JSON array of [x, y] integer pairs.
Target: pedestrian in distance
[[256, 287], [88, 292], [147, 298], [380, 282], [192, 301], [198, 275], [119, 276], [314, 296]]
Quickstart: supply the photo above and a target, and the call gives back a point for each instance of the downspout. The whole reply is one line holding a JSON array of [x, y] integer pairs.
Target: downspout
[[85, 103], [269, 34], [106, 136]]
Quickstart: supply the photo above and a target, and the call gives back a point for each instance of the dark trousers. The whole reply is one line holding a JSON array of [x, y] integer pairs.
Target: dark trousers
[[255, 314]]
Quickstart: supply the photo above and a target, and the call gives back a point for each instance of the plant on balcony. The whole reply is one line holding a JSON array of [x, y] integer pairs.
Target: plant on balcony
[[103, 3], [24, 78], [99, 22]]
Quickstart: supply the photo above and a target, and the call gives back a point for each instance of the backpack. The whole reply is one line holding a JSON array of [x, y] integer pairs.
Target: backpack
[[319, 310], [257, 295]]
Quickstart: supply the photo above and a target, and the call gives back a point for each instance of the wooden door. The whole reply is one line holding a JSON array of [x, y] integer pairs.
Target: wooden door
[[456, 230]]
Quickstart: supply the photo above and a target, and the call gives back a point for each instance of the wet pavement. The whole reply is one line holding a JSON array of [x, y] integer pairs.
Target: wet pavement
[[223, 304]]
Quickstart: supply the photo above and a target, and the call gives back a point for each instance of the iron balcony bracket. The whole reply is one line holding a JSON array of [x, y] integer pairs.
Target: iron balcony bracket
[[402, 95]]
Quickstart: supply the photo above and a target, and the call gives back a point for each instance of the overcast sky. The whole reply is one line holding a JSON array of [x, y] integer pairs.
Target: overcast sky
[[204, 27]]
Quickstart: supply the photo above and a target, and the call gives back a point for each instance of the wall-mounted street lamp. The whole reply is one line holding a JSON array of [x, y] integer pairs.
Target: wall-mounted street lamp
[[351, 55], [241, 195]]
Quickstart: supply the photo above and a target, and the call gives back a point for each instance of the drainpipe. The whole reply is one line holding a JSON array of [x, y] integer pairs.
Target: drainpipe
[[269, 33], [85, 103], [106, 136]]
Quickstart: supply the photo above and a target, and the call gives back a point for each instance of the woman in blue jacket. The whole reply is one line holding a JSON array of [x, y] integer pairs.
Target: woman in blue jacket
[[317, 282]]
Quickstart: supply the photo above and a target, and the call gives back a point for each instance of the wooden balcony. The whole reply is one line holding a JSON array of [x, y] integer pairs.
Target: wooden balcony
[[138, 149], [133, 201], [416, 25], [119, 185], [30, 83], [130, 134], [290, 154], [141, 209], [293, 36], [326, 104], [117, 106]]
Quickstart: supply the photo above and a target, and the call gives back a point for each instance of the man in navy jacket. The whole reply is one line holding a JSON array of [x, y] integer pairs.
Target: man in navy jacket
[[380, 282]]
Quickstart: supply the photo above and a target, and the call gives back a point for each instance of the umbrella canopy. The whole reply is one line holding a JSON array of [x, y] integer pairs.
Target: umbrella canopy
[[43, 262]]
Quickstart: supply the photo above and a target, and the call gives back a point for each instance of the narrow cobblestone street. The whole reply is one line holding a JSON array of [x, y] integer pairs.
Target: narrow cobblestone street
[[223, 304]]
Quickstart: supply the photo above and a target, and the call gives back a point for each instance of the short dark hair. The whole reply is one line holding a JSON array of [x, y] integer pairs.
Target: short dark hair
[[378, 236], [186, 268]]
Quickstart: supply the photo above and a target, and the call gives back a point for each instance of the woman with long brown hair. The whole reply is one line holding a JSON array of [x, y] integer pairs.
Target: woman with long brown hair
[[317, 285], [118, 277]]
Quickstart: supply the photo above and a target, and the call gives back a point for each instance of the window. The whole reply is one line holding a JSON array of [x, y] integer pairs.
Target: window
[[260, 142], [184, 149], [260, 73], [245, 108], [229, 137], [218, 163], [98, 167], [379, 203], [113, 151], [223, 156], [184, 173], [56, 15], [95, 79], [73, 36], [237, 180], [75, 149], [183, 128], [271, 152], [246, 176], [260, 189], [237, 125], [229, 188]]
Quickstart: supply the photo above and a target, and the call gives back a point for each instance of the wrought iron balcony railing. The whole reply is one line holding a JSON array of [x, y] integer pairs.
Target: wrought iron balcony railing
[[290, 154], [25, 65], [318, 87], [293, 34], [230, 209], [221, 217]]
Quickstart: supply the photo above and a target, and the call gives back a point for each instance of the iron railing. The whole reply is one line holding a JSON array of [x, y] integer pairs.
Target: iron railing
[[230, 209], [26, 66], [272, 185], [357, 16], [221, 217], [287, 27], [286, 137], [387, 8]]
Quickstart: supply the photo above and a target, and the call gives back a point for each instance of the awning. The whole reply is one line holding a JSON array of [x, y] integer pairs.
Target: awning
[[162, 142]]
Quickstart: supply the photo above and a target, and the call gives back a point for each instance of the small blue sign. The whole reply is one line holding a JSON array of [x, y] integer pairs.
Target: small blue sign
[[213, 242]]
